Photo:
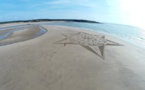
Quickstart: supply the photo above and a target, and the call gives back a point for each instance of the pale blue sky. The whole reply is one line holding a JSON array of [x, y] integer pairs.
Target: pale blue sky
[[114, 11]]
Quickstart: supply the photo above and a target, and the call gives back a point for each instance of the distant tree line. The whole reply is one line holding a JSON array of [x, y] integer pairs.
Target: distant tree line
[[41, 20]]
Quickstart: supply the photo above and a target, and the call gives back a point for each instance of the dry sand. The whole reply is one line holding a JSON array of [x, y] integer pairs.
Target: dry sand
[[39, 64]]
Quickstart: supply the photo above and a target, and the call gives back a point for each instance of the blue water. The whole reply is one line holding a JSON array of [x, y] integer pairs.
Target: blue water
[[131, 34]]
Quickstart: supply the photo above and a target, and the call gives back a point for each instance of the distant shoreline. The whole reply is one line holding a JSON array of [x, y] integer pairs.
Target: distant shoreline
[[49, 20]]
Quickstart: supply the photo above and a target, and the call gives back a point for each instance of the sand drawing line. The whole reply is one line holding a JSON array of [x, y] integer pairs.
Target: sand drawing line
[[94, 43]]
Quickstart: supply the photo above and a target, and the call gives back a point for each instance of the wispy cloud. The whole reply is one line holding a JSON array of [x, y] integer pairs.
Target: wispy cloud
[[80, 3], [58, 2]]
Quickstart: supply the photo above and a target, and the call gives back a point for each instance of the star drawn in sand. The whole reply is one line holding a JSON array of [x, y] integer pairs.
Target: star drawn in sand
[[93, 43]]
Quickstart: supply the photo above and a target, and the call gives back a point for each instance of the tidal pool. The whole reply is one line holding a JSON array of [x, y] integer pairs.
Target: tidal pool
[[10, 35]]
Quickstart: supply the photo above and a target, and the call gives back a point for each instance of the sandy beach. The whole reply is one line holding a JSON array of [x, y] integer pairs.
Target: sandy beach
[[42, 64]]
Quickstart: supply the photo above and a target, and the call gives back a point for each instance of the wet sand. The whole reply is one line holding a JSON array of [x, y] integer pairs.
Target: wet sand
[[41, 64], [20, 34]]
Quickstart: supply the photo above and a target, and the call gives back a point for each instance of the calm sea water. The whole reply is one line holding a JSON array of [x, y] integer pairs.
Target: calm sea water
[[131, 34]]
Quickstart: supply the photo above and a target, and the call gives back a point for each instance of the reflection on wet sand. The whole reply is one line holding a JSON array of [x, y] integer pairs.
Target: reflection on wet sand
[[20, 33]]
